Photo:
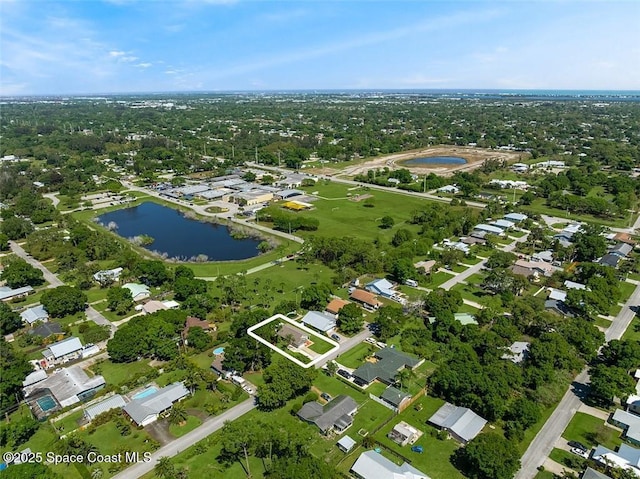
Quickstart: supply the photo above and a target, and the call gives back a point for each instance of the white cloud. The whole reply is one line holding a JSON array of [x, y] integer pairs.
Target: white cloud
[[144, 65], [115, 53]]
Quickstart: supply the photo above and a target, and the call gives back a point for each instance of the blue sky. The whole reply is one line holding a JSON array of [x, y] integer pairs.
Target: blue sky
[[119, 46]]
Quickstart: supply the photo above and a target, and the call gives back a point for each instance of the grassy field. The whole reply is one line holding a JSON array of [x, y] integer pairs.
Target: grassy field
[[539, 206], [626, 290], [437, 278], [435, 460], [591, 431], [565, 457], [633, 331], [356, 356], [69, 423], [190, 424], [118, 373]]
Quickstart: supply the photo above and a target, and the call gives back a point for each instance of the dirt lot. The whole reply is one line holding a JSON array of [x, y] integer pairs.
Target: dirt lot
[[474, 157]]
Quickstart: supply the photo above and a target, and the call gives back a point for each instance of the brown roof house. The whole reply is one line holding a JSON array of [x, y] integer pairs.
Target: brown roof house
[[295, 337], [335, 305], [366, 299]]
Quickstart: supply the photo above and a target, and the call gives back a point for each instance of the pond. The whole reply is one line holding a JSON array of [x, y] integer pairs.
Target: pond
[[436, 160], [177, 236]]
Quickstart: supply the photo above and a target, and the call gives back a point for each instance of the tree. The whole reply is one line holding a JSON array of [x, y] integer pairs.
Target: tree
[[350, 319], [17, 273], [15, 368], [624, 353], [119, 300], [315, 296], [589, 243], [401, 236], [387, 222], [10, 321], [178, 414], [489, 456], [283, 381], [4, 242], [198, 339], [609, 382], [185, 287], [15, 228], [501, 259], [63, 300], [164, 468], [300, 467], [151, 272], [403, 269], [31, 470], [389, 320]]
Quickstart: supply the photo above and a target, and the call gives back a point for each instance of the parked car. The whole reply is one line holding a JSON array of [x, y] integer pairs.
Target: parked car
[[578, 445], [325, 396], [344, 374], [360, 382], [335, 337], [580, 452]]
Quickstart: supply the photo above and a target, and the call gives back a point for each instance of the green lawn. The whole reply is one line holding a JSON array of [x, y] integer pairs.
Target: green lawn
[[633, 331], [539, 206], [545, 475], [437, 278], [567, 458], [69, 423], [356, 356], [591, 431], [377, 388], [119, 373], [319, 345], [604, 323], [435, 460], [191, 423], [626, 290], [96, 294]]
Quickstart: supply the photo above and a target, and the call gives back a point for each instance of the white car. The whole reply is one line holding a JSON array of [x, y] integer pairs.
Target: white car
[[580, 452]]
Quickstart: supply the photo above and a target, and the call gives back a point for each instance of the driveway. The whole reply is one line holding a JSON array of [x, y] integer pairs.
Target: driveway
[[159, 430]]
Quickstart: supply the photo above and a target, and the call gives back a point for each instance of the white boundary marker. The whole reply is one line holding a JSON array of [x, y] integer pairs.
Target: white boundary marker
[[250, 332]]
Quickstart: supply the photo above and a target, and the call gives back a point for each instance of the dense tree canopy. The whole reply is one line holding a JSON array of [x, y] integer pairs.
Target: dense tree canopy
[[17, 273], [63, 300], [10, 321]]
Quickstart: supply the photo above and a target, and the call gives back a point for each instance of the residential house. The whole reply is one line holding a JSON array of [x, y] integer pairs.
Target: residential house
[[395, 398], [517, 352], [336, 415], [373, 465], [610, 259], [153, 306], [35, 314], [573, 285], [629, 423], [9, 294], [138, 291], [625, 238], [546, 256], [113, 402], [460, 422], [626, 457], [457, 245], [465, 318], [503, 224], [293, 336], [218, 368], [515, 217], [593, 474], [35, 377], [520, 167], [366, 299], [403, 434], [62, 351], [389, 362], [449, 189], [46, 329], [558, 307], [319, 321], [494, 230], [382, 287], [621, 250], [193, 322], [108, 275], [557, 294], [425, 265], [145, 410], [535, 268], [346, 443], [335, 305], [65, 387]]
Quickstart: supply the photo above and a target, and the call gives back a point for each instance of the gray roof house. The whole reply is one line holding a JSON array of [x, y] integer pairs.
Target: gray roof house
[[346, 443], [113, 402], [627, 457], [320, 321], [373, 465], [7, 293], [610, 259], [46, 329], [34, 314], [593, 474], [336, 415], [63, 351], [390, 361], [621, 250], [515, 217], [394, 397], [34, 377], [146, 410], [460, 422], [630, 423], [517, 352]]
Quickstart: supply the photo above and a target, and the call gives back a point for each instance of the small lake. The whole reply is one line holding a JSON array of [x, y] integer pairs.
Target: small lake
[[178, 236], [436, 160]]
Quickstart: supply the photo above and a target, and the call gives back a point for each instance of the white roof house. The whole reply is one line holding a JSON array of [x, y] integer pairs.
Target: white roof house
[[517, 352], [503, 224], [461, 422], [557, 295], [7, 293], [67, 385], [63, 348], [34, 377], [449, 189], [515, 217], [627, 457], [113, 402], [630, 423], [108, 275], [373, 465], [320, 321], [573, 285], [346, 443], [138, 291], [383, 287], [34, 314], [489, 229]]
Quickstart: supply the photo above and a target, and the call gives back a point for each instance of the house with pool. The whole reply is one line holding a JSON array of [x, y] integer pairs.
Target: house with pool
[[146, 406]]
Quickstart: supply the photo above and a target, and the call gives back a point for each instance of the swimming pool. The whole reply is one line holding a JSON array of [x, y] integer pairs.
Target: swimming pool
[[218, 351], [147, 392], [46, 403]]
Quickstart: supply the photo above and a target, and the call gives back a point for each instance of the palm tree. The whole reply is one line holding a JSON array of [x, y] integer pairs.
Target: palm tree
[[178, 414], [164, 468], [97, 473]]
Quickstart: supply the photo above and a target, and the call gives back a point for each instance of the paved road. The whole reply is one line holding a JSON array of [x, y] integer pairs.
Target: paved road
[[54, 282], [208, 427], [51, 278], [544, 441], [347, 344]]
